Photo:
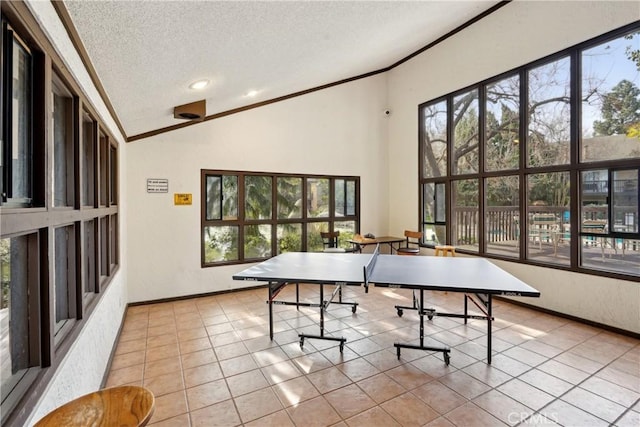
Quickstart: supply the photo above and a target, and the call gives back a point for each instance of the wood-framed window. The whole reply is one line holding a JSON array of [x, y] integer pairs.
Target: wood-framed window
[[20, 315], [541, 164], [59, 218], [248, 216]]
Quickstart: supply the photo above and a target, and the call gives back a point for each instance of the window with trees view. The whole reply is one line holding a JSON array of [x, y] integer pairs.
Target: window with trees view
[[59, 231], [541, 164], [252, 216]]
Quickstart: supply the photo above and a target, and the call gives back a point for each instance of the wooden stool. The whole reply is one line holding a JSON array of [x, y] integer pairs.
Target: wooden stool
[[115, 406], [445, 250]]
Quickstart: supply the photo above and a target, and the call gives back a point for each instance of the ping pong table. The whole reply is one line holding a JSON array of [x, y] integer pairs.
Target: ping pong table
[[477, 278]]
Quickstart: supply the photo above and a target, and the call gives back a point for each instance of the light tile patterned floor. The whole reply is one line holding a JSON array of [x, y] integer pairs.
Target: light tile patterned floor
[[209, 362]]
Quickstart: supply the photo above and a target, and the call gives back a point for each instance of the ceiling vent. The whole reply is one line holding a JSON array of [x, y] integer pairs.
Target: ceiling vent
[[193, 111]]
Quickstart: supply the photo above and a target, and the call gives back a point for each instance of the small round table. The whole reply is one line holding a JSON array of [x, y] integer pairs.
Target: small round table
[[115, 406]]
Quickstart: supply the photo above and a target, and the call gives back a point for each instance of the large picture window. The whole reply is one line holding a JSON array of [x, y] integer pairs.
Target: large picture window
[[547, 171], [253, 216]]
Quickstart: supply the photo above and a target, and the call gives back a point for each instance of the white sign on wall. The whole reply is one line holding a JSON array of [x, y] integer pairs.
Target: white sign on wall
[[157, 185]]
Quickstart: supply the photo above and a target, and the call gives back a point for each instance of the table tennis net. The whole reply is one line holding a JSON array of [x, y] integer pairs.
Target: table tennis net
[[369, 266]]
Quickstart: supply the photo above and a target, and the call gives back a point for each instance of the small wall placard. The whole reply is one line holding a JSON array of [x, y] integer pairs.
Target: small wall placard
[[157, 185], [181, 199]]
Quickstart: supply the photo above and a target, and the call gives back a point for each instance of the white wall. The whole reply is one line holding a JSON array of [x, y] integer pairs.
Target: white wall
[[518, 33], [337, 131], [83, 367]]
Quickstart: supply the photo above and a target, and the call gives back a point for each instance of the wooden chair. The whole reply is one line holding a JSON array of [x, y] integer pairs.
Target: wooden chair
[[330, 243], [412, 243]]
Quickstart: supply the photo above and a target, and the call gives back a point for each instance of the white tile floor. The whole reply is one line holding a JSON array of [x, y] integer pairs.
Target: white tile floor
[[210, 362]]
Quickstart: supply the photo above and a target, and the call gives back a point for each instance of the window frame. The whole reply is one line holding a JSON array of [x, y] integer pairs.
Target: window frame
[[43, 216], [60, 89], [240, 221], [63, 328], [7, 199], [36, 320], [574, 167]]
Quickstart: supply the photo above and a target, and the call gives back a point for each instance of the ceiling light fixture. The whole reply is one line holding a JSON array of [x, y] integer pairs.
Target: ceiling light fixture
[[200, 84], [251, 93]]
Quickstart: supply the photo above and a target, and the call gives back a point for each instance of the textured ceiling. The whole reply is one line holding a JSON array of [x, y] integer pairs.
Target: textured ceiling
[[146, 53]]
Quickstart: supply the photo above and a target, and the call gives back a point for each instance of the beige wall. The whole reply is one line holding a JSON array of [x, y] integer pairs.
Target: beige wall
[[508, 38], [337, 131]]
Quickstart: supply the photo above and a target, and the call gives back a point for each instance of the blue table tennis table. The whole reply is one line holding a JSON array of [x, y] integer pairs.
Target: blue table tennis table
[[477, 278]]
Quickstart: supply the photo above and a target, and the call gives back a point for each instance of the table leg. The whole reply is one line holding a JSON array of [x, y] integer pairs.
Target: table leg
[[322, 310], [466, 308], [421, 313], [323, 304], [421, 318], [489, 317], [270, 302]]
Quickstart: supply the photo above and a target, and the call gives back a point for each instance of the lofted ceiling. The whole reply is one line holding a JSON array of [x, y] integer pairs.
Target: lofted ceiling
[[147, 53]]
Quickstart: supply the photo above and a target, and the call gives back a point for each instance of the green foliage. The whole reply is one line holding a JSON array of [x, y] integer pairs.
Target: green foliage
[[314, 241], [502, 140], [221, 243], [289, 197], [503, 191], [290, 242], [257, 197], [634, 130], [551, 188], [256, 245], [467, 193], [620, 109], [633, 54], [5, 272]]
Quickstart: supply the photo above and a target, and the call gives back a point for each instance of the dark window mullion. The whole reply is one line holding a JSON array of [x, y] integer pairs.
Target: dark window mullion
[[524, 125], [274, 215], [7, 116], [38, 310], [242, 203], [449, 169], [482, 98], [304, 214]]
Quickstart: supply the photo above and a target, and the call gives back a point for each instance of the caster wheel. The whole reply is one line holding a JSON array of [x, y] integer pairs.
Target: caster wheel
[[447, 359], [354, 308], [398, 353], [430, 317], [400, 313], [341, 347], [301, 342]]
